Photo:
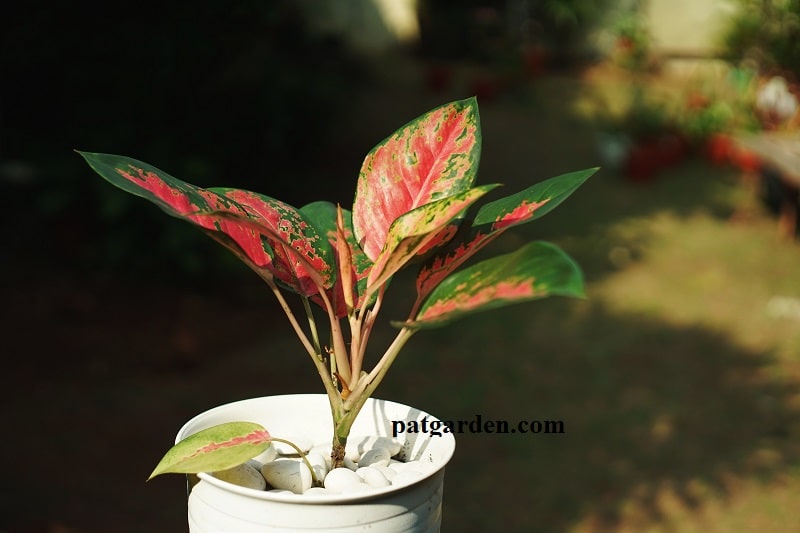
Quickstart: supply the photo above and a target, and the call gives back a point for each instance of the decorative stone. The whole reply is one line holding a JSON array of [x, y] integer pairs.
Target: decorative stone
[[375, 456], [373, 477], [398, 466], [244, 475], [268, 455], [305, 444], [387, 472], [342, 480], [323, 450], [349, 464], [255, 464], [319, 464], [359, 445], [288, 474]]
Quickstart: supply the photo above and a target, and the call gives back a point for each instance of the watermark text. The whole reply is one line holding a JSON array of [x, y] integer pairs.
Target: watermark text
[[437, 428]]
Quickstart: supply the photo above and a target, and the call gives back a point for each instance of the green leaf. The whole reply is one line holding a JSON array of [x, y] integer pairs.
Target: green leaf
[[216, 448], [432, 157], [494, 218], [531, 203], [536, 270]]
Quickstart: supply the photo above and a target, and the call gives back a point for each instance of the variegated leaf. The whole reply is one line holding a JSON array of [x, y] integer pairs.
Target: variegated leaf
[[302, 256], [431, 157], [323, 216], [531, 203], [536, 270], [494, 218], [270, 234], [213, 449], [414, 230]]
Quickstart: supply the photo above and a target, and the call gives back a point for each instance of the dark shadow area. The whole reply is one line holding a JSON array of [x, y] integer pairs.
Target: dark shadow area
[[240, 95]]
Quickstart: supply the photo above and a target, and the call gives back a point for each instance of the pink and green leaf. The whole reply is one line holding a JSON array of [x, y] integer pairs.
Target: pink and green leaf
[[323, 216], [271, 234], [302, 256], [213, 449], [536, 270], [415, 230], [494, 218], [431, 157]]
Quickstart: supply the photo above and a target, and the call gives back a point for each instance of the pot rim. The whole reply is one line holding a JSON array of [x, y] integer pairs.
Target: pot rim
[[445, 447]]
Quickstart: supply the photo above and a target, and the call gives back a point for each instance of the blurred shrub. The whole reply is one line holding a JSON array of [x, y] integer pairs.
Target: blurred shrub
[[487, 29], [767, 32]]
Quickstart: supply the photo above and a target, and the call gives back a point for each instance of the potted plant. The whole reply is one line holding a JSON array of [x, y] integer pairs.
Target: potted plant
[[413, 194]]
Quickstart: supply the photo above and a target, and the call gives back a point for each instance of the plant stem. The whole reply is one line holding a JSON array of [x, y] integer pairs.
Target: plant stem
[[361, 329], [345, 414], [292, 320], [312, 324], [316, 355], [367, 385], [342, 422]]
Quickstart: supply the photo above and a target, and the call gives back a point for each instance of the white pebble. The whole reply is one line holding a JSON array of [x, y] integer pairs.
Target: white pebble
[[267, 455], [350, 464], [397, 466], [375, 456], [288, 474], [255, 464], [387, 472], [301, 442], [244, 475], [323, 450], [319, 464], [359, 445], [372, 476], [342, 480], [407, 477]]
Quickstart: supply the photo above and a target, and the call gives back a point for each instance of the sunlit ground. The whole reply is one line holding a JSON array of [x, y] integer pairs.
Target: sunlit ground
[[679, 376]]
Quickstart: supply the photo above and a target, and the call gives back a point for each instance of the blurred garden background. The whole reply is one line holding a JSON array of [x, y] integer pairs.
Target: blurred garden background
[[678, 379]]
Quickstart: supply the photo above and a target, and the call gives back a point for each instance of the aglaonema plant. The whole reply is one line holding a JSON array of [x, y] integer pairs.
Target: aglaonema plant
[[412, 197]]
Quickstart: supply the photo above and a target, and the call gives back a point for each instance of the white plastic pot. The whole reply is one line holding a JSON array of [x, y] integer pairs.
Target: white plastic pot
[[216, 506]]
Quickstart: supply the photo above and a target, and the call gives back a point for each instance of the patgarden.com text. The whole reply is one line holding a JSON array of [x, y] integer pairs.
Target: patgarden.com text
[[436, 428]]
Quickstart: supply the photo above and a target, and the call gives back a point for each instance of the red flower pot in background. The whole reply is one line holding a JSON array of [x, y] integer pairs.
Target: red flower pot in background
[[719, 148], [746, 160], [642, 162]]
